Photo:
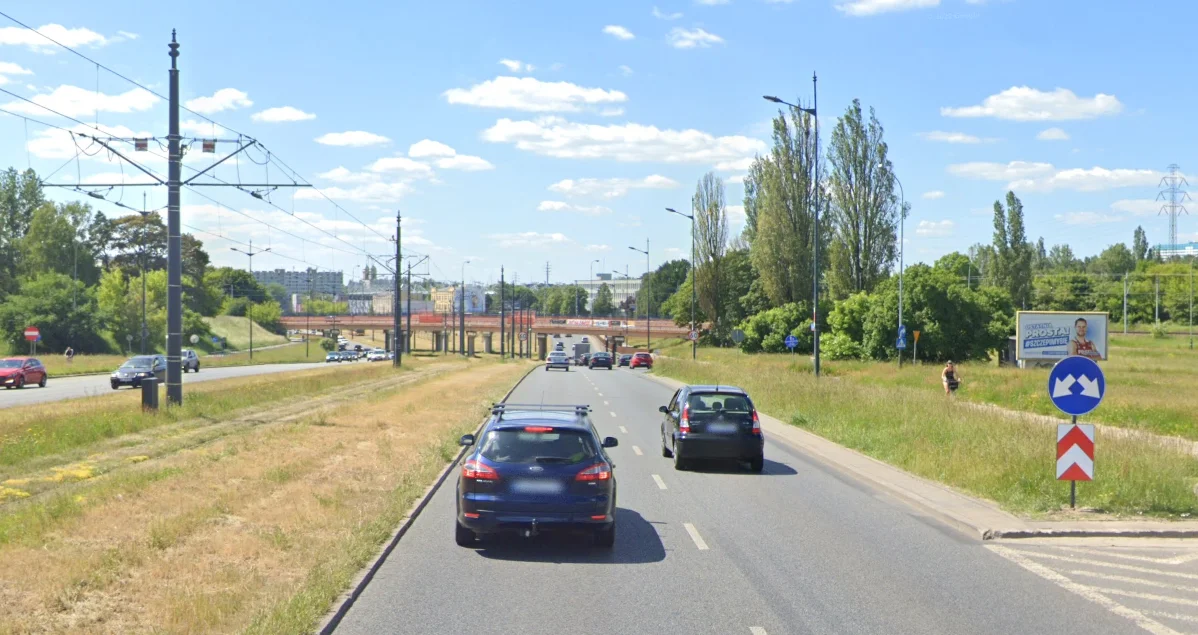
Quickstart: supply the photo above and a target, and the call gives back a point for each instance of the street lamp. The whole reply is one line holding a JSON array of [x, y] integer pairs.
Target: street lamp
[[249, 305], [902, 224], [813, 111], [462, 332], [648, 296], [694, 281], [591, 284]]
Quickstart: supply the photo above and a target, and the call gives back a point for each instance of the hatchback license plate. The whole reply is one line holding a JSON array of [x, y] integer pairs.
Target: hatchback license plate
[[528, 486], [722, 428]]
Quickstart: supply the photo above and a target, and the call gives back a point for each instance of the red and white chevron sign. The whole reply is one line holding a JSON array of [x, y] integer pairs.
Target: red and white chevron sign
[[1075, 452]]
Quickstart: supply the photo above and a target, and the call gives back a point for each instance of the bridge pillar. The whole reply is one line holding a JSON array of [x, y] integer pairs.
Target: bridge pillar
[[470, 338], [436, 341], [487, 343], [542, 345]]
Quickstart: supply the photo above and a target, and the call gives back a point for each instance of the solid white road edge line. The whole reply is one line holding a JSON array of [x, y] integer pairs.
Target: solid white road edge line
[[690, 529], [1089, 593], [660, 483], [637, 451]]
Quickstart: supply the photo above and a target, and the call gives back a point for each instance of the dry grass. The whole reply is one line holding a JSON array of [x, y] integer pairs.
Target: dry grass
[[257, 529]]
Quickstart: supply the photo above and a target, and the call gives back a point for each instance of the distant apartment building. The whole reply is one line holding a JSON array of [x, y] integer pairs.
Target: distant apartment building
[[1182, 250], [304, 282], [623, 290]]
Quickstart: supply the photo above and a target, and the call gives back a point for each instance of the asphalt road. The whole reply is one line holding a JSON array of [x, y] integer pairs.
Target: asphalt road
[[798, 549]]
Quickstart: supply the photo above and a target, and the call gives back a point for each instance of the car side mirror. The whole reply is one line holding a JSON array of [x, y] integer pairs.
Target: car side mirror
[[610, 442], [466, 440], [663, 409]]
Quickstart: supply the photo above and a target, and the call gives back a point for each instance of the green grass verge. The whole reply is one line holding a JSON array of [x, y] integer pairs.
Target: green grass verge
[[236, 330], [986, 454]]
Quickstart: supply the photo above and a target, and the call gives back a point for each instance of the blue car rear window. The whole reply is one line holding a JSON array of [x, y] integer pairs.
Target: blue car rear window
[[561, 446]]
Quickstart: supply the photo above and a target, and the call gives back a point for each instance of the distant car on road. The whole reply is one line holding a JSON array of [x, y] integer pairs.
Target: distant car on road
[[557, 359], [625, 359], [333, 356], [584, 359], [585, 339], [358, 348], [569, 335], [537, 468], [559, 347], [641, 360], [377, 355], [191, 361], [18, 372], [711, 422], [138, 368], [600, 360]]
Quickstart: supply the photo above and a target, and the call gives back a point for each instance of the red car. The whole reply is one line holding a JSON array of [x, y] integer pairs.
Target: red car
[[16, 372], [641, 359]]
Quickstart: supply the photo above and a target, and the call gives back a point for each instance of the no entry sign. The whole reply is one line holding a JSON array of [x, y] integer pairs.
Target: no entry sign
[[1075, 452], [32, 334]]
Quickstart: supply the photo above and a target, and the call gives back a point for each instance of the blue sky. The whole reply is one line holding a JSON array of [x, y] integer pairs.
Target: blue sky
[[522, 133]]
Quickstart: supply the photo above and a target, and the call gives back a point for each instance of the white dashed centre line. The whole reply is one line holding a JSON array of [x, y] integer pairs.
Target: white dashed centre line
[[623, 429], [660, 483], [606, 404], [600, 394], [690, 529], [637, 451], [757, 630]]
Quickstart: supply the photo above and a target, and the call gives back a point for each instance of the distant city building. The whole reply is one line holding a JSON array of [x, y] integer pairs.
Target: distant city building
[[1182, 250], [304, 282], [623, 290]]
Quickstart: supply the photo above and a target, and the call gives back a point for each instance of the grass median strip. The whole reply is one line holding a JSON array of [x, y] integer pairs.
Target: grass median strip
[[991, 455], [272, 523]]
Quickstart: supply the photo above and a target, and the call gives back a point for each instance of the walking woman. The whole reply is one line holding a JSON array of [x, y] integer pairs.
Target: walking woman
[[950, 378]]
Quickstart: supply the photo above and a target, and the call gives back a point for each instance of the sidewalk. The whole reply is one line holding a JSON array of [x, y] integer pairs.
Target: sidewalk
[[976, 517]]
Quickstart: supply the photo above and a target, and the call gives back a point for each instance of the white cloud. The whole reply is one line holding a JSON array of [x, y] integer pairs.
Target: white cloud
[[632, 221], [626, 70], [531, 94], [874, 7], [221, 100], [127, 35], [516, 66], [53, 143], [1022, 175], [1053, 134], [736, 215], [529, 239], [630, 142], [1087, 218], [74, 38], [283, 114], [340, 174], [779, 1], [586, 210], [1022, 103], [9, 68], [598, 248], [657, 13], [611, 112], [618, 32], [73, 101], [400, 164], [712, 2], [681, 38], [739, 165], [464, 162], [1139, 207], [131, 177], [201, 128], [935, 229], [933, 195], [378, 192], [610, 188], [429, 148], [954, 137], [352, 138]]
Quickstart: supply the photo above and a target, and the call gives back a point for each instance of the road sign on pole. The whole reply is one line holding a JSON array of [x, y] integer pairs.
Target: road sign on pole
[[32, 334], [1076, 385], [738, 336], [791, 342], [694, 336], [1075, 452]]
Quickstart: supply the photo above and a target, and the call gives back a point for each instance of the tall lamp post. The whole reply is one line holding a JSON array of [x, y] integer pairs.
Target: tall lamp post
[[694, 280], [591, 291], [902, 224], [814, 112], [462, 332], [249, 305], [648, 297]]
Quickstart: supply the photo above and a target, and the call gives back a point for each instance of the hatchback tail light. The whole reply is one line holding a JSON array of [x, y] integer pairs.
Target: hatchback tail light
[[684, 424], [756, 423], [597, 472], [479, 471]]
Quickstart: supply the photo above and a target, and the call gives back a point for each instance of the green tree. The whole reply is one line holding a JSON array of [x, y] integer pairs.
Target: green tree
[[1013, 254], [267, 314], [20, 194], [1139, 244], [711, 223], [864, 209], [603, 305], [1061, 259], [237, 283], [130, 235], [195, 259], [119, 306], [46, 301], [780, 189], [1039, 257], [657, 287], [1115, 260], [955, 263], [278, 293], [55, 242]]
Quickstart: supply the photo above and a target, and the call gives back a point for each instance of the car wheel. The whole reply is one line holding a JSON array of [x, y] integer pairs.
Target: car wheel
[[757, 465], [606, 537], [679, 463], [197, 368], [665, 451], [115, 386], [21, 382], [42, 383], [464, 536]]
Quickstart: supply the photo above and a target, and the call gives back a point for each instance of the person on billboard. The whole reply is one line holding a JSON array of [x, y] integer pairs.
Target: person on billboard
[[1080, 345]]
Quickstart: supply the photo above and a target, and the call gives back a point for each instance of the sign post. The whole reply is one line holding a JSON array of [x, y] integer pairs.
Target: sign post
[[33, 335], [791, 342], [901, 343], [1076, 386], [915, 353]]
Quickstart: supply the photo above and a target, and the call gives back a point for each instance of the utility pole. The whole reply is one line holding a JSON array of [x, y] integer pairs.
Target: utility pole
[[174, 248], [694, 279], [1192, 259], [249, 305], [502, 313], [145, 328], [395, 338], [546, 273], [308, 318], [1125, 303], [1157, 281], [1173, 197]]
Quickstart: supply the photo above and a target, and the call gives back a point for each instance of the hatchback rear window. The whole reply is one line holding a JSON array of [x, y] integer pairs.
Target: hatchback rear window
[[554, 446], [713, 401]]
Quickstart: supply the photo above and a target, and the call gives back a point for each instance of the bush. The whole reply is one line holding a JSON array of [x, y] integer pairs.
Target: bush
[[329, 345], [767, 331], [235, 306], [839, 346], [1159, 331]]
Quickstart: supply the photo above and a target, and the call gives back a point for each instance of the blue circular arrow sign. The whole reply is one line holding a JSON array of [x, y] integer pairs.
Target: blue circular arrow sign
[[791, 341], [1076, 385]]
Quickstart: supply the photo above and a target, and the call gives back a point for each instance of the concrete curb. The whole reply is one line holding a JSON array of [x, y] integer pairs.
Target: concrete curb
[[346, 602], [980, 519]]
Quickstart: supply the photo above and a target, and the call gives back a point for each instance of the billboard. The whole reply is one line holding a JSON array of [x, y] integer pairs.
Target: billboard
[[1055, 335], [476, 299]]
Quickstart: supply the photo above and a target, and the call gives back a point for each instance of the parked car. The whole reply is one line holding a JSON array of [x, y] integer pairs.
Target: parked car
[[537, 468], [640, 360], [625, 359], [333, 356], [557, 359], [18, 372], [191, 361], [711, 422], [138, 368], [600, 360]]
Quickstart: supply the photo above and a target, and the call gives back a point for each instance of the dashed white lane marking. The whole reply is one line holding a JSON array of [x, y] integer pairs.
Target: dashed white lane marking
[[1089, 593], [637, 451], [690, 529], [613, 414], [660, 483], [1141, 581], [606, 404], [600, 394], [623, 429], [757, 630]]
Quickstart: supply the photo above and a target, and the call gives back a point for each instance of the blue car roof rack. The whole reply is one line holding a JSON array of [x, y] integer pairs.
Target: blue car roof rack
[[578, 409]]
